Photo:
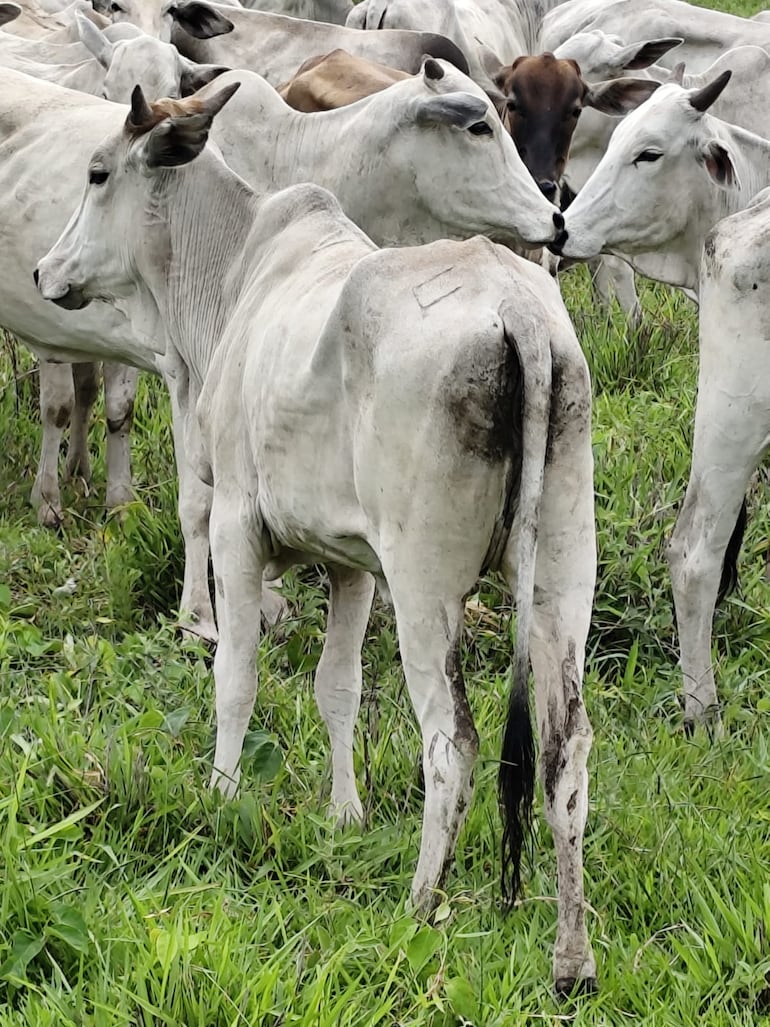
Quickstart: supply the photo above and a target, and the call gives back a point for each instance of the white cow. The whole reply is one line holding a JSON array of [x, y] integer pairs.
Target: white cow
[[671, 171], [411, 130], [706, 33], [68, 392], [413, 414], [275, 46], [732, 434]]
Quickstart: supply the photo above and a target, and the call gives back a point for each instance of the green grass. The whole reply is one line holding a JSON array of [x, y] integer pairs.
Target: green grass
[[131, 896]]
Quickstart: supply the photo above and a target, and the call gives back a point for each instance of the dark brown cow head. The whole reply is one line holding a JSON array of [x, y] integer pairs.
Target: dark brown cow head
[[543, 99]]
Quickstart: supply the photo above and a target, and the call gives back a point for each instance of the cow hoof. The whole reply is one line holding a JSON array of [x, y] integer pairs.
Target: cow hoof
[[574, 987], [49, 516], [198, 630], [347, 814]]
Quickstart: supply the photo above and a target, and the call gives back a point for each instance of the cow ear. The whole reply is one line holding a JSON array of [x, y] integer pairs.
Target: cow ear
[[719, 164], [490, 62], [179, 139], [94, 40], [9, 12], [200, 20], [702, 99], [461, 110], [642, 55], [677, 74], [196, 76], [619, 95]]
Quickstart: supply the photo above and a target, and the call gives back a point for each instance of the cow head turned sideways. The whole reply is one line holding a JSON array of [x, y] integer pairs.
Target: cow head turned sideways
[[661, 184], [85, 264], [542, 99]]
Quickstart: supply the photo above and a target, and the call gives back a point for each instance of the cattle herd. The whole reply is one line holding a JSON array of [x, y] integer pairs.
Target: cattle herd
[[351, 295]]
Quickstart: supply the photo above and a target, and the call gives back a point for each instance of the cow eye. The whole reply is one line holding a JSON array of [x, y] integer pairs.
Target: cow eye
[[648, 156], [97, 176], [481, 128], [116, 8]]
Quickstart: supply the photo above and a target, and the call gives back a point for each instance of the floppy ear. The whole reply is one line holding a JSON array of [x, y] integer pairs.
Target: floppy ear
[[199, 20], [717, 161], [619, 95], [95, 40], [179, 139], [702, 99], [9, 12], [196, 76], [642, 55], [461, 110]]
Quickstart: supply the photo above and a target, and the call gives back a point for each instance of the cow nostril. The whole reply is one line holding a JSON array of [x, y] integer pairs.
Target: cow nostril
[[547, 188], [558, 220], [557, 245], [36, 276]]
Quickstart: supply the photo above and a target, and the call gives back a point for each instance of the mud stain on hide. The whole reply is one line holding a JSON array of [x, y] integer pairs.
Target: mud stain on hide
[[562, 722]]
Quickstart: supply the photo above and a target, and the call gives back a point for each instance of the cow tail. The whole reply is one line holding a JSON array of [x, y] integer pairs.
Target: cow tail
[[516, 776], [375, 14]]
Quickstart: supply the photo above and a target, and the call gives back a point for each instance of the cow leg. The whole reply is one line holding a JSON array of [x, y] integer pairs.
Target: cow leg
[[57, 398], [565, 576], [238, 567], [120, 384], [338, 681], [430, 621], [85, 378], [728, 445], [613, 277], [194, 505]]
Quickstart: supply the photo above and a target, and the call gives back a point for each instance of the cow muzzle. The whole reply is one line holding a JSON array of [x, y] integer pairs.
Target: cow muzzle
[[63, 294]]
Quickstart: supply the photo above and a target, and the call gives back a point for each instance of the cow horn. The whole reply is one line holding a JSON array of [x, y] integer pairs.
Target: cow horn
[[141, 112], [703, 98]]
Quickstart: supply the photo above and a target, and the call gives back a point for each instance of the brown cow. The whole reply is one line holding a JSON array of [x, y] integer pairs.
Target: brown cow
[[336, 80], [543, 99]]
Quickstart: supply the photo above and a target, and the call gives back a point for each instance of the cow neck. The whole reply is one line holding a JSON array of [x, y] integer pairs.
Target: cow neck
[[209, 213]]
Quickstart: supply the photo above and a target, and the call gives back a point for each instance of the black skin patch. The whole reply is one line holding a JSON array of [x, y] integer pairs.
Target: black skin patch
[[554, 750], [465, 729], [485, 405]]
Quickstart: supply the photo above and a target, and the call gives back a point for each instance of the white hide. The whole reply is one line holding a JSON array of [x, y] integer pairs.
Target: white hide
[[656, 213], [275, 47], [333, 11], [343, 444], [487, 31], [706, 33]]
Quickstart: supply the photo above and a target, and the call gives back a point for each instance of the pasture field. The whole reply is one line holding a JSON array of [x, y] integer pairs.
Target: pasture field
[[131, 896]]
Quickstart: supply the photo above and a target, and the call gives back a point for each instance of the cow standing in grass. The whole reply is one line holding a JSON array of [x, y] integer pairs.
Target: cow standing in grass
[[412, 415]]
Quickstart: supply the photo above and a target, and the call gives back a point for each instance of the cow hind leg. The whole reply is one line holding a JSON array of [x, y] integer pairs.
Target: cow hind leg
[[338, 682], [85, 378], [565, 574], [613, 277], [238, 566], [120, 384], [429, 624], [57, 398]]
